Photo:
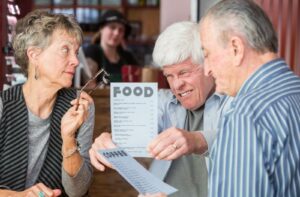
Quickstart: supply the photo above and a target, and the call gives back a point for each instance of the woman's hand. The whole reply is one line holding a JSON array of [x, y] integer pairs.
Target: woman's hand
[[73, 118], [104, 141], [38, 190]]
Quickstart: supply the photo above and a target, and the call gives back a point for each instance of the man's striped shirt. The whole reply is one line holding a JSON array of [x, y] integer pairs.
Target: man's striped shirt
[[257, 150]]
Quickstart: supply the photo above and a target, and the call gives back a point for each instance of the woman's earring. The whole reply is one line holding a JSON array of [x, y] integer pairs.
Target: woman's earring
[[36, 76]]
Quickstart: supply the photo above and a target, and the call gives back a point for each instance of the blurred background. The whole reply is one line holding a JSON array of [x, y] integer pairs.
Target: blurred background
[[147, 18]]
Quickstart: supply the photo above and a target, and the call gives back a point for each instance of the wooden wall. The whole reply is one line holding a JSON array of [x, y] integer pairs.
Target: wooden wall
[[285, 16], [149, 18]]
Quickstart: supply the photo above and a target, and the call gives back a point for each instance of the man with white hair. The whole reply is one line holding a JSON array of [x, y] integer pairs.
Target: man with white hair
[[182, 127]]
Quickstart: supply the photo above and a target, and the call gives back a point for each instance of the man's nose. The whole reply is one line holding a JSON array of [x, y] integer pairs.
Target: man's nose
[[178, 83]]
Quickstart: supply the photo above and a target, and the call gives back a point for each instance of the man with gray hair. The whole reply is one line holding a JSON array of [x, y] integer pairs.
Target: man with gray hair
[[182, 127], [256, 152]]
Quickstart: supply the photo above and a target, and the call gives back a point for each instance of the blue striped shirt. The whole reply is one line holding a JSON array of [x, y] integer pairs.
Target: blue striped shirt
[[257, 150]]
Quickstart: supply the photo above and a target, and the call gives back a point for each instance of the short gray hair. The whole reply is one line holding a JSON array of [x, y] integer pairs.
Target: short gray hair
[[247, 19], [177, 43], [36, 29]]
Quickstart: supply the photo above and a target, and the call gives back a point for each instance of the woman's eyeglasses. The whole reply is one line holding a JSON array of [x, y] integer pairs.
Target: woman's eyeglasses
[[104, 76]]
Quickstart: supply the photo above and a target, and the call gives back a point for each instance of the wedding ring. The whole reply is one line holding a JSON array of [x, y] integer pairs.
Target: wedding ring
[[41, 194], [174, 146]]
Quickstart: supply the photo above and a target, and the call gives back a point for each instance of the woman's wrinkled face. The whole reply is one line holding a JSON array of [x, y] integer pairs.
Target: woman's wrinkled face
[[112, 34], [56, 64]]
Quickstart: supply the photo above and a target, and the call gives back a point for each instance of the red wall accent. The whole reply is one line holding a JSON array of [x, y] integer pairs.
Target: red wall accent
[[285, 16]]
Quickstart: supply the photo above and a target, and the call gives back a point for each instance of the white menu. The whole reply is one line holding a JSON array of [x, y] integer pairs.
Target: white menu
[[137, 176], [133, 116]]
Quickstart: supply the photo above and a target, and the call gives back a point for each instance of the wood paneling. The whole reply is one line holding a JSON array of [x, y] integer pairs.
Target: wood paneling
[[102, 111], [149, 18]]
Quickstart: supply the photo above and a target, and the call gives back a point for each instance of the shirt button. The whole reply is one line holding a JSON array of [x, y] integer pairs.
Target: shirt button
[[232, 104]]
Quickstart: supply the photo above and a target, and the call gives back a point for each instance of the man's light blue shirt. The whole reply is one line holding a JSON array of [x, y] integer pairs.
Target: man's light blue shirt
[[172, 114]]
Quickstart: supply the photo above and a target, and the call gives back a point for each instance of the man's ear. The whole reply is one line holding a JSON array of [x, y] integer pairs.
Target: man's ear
[[32, 54], [238, 49]]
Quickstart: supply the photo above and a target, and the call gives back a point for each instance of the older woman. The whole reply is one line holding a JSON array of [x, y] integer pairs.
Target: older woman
[[45, 133]]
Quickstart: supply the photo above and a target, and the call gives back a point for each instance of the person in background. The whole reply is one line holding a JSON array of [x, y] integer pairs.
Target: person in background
[[45, 132], [187, 118], [106, 50], [256, 152]]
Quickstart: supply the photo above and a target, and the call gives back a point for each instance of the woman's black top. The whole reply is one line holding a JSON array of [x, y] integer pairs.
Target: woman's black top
[[96, 53]]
